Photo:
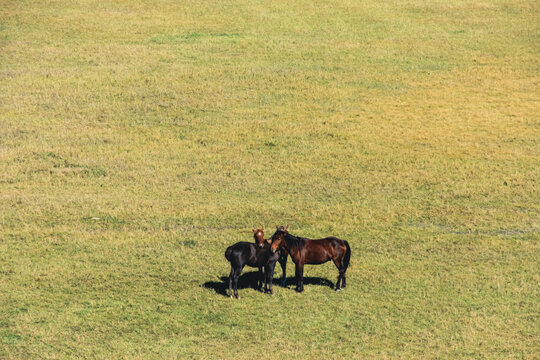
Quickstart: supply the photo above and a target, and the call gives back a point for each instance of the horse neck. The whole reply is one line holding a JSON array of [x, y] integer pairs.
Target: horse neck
[[257, 240], [292, 244]]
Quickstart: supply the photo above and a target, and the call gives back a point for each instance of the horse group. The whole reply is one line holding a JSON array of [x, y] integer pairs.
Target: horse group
[[264, 254]]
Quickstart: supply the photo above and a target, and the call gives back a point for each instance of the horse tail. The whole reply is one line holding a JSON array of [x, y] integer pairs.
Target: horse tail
[[347, 258], [228, 253]]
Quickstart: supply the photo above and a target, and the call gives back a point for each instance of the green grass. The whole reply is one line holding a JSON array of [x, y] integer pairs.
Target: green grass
[[139, 139]]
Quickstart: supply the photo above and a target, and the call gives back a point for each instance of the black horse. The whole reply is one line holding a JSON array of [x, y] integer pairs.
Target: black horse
[[255, 255], [258, 234]]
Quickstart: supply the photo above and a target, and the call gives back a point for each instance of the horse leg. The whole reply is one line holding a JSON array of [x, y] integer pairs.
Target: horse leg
[[296, 278], [260, 279], [264, 278], [269, 270], [300, 277], [230, 282], [346, 262], [283, 263], [237, 273], [341, 277]]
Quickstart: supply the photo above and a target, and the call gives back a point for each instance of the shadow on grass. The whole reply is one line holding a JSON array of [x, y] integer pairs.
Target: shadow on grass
[[249, 280]]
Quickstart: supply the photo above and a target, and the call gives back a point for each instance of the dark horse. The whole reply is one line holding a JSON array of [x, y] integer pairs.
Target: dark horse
[[258, 234], [308, 251], [255, 255]]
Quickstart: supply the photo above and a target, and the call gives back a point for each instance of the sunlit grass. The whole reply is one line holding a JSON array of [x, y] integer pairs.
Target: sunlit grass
[[139, 139]]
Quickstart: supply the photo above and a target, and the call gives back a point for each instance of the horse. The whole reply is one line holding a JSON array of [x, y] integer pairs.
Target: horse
[[314, 252], [255, 255], [258, 234]]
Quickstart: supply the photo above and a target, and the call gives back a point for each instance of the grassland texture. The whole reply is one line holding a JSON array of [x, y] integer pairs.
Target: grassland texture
[[138, 139]]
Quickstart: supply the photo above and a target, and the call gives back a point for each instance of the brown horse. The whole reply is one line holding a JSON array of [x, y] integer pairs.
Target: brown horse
[[258, 234], [308, 251]]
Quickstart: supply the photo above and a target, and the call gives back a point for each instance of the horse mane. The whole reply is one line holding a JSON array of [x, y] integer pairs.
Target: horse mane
[[294, 241]]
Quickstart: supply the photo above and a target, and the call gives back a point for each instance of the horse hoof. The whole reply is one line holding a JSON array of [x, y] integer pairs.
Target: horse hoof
[[338, 290]]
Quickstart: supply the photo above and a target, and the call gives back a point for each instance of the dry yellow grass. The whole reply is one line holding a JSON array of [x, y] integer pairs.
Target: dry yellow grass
[[138, 139]]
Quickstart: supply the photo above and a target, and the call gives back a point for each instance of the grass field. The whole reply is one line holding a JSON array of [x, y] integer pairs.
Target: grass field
[[138, 139]]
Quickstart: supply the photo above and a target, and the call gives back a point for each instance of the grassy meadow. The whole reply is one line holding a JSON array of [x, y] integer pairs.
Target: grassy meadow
[[139, 139]]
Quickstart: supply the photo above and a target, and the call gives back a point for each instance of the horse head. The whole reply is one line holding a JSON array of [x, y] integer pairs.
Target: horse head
[[258, 234], [278, 239]]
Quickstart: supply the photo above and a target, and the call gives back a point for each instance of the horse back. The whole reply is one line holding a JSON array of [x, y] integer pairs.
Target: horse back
[[248, 253], [318, 251], [241, 252]]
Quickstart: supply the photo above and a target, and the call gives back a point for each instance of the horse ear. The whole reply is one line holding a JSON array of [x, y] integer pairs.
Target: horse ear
[[286, 227], [277, 227], [254, 230], [262, 228]]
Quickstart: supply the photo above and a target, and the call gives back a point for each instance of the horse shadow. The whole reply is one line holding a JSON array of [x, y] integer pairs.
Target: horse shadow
[[249, 280]]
